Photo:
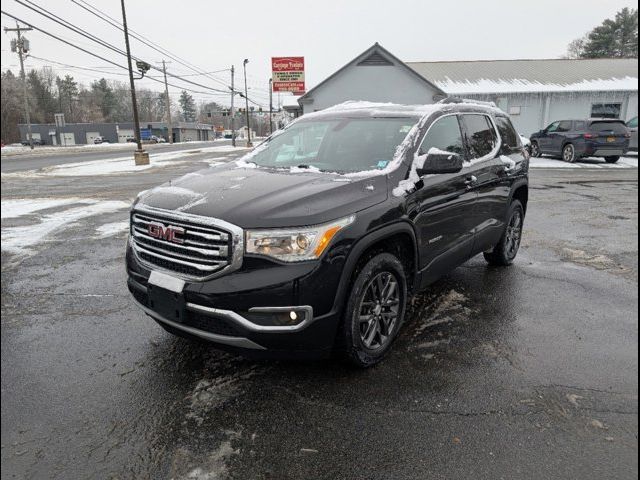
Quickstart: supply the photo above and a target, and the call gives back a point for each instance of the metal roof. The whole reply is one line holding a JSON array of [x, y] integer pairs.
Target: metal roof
[[512, 76]]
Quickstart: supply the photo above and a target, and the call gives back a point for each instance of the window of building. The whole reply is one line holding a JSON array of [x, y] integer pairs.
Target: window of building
[[606, 110], [444, 135], [481, 135], [515, 110]]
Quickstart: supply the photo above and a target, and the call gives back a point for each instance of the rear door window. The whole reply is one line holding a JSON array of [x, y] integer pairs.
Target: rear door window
[[444, 135], [565, 126], [580, 126], [633, 123], [480, 135], [510, 139]]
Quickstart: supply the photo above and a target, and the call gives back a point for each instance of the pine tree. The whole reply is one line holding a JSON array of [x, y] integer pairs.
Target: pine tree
[[187, 107], [614, 38], [104, 97]]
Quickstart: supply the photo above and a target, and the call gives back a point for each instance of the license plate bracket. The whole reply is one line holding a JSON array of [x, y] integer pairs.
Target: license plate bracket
[[611, 139], [168, 304]]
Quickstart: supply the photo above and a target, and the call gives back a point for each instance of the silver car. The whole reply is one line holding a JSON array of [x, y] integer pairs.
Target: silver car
[[632, 125]]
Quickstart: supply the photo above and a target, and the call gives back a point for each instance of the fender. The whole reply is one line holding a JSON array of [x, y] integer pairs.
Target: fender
[[362, 245], [520, 182]]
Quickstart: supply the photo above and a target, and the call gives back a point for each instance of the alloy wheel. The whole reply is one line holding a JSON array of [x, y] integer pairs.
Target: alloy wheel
[[569, 153], [379, 310], [514, 234]]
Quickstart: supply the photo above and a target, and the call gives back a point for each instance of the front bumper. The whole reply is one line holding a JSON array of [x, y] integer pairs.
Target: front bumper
[[224, 310]]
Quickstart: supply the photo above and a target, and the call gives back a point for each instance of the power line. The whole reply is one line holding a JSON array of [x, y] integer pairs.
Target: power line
[[95, 54]]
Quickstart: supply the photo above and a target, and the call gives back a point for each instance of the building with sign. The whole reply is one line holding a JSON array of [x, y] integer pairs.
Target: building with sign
[[533, 92]]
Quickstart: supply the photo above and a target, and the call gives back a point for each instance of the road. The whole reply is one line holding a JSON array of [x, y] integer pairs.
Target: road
[[28, 161], [529, 372]]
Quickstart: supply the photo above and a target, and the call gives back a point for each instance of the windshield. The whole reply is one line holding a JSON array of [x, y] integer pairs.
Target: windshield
[[339, 145]]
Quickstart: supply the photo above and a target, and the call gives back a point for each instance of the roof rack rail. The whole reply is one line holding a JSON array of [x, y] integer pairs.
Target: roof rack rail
[[450, 100]]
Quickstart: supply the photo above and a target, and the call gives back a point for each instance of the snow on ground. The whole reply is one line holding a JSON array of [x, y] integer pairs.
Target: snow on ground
[[15, 208], [112, 229], [549, 162], [122, 165], [21, 239]]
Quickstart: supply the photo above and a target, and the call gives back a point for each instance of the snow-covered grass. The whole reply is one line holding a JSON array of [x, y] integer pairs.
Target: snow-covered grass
[[599, 163], [111, 229], [21, 240], [15, 208], [123, 165], [19, 149]]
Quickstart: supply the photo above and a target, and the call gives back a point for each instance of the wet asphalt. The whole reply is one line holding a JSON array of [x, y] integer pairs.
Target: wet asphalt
[[528, 372]]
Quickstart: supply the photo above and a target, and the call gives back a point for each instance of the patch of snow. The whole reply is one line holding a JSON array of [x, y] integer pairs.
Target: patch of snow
[[510, 163], [174, 190], [309, 169], [20, 240], [525, 140], [14, 208], [597, 163], [111, 229], [521, 85], [242, 163]]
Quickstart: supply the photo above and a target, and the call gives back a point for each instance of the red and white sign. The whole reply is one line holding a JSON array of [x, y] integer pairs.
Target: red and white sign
[[288, 74]]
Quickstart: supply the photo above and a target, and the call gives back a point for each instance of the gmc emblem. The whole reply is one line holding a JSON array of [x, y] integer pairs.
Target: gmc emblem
[[168, 233]]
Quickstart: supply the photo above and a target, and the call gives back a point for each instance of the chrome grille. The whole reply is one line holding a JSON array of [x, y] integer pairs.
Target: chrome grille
[[207, 246]]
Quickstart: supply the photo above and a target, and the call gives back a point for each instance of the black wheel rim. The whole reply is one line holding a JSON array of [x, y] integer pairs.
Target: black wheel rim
[[514, 234], [535, 150], [379, 311]]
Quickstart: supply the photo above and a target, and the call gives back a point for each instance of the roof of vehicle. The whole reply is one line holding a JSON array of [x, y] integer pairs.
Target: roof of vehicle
[[372, 109]]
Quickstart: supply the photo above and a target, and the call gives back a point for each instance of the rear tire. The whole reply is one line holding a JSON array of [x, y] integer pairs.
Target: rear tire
[[375, 311], [569, 153], [612, 159], [507, 249]]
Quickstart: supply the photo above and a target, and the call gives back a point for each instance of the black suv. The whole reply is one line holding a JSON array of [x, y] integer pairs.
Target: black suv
[[574, 139], [313, 242]]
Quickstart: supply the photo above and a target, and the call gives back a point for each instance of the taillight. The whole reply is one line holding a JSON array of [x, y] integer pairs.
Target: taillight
[[627, 135], [590, 135]]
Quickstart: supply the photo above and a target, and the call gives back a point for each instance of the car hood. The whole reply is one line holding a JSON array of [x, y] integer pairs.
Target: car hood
[[264, 198]]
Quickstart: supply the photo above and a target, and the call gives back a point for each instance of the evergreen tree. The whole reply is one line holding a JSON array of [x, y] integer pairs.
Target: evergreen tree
[[614, 38], [104, 97], [187, 107]]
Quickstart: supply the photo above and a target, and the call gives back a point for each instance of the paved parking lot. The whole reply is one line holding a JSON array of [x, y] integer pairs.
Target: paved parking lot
[[525, 372]]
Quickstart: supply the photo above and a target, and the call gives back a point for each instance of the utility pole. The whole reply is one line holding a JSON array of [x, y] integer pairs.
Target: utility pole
[[233, 112], [246, 98], [22, 47], [140, 156], [168, 102], [271, 106]]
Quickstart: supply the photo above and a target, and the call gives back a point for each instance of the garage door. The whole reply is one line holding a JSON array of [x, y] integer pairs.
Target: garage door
[[68, 139], [124, 133]]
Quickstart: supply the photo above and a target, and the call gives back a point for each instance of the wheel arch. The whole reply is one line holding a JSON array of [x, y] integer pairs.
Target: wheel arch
[[520, 191], [398, 238]]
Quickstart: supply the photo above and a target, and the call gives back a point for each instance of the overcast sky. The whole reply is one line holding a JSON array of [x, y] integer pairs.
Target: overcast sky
[[215, 34]]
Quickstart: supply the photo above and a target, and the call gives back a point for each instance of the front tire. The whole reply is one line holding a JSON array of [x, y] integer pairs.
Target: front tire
[[375, 310], [569, 153], [507, 249], [612, 159], [535, 150]]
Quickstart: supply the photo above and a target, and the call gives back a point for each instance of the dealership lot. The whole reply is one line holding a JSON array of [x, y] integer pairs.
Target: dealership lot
[[528, 372]]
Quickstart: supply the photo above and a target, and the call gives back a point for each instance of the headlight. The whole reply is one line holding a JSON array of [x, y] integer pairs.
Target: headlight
[[296, 244]]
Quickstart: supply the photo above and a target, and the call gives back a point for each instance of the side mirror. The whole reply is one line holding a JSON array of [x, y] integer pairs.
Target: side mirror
[[440, 163]]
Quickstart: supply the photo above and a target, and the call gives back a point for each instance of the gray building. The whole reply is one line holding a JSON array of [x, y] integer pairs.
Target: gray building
[[533, 92], [86, 133]]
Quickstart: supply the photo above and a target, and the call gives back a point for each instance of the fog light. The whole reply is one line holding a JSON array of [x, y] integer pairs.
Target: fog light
[[293, 315], [276, 318]]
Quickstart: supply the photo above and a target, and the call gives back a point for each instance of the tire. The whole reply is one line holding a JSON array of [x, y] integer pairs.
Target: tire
[[569, 153], [375, 311], [612, 159], [506, 251], [535, 150]]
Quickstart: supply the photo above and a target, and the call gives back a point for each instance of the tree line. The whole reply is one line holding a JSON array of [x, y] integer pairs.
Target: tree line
[[614, 38], [101, 100]]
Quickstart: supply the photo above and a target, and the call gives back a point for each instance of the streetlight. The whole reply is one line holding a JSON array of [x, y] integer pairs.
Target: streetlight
[[246, 99]]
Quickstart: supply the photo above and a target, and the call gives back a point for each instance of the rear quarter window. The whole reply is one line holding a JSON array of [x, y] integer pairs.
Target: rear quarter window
[[580, 126], [510, 139], [616, 127], [480, 135]]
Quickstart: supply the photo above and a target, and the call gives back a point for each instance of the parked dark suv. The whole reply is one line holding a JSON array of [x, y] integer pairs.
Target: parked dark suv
[[313, 242], [574, 139]]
